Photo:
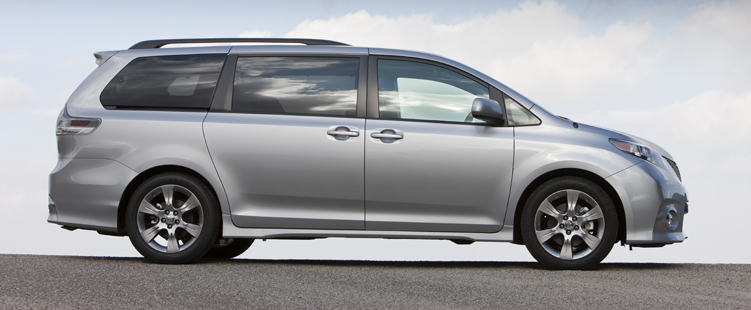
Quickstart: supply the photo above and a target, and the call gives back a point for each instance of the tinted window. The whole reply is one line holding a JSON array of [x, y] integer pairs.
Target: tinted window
[[296, 85], [418, 91], [517, 114], [183, 81]]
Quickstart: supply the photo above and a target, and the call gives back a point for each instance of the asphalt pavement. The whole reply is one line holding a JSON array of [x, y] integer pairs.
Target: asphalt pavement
[[65, 282]]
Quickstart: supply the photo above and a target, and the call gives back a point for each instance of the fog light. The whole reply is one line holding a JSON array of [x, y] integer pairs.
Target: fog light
[[672, 219]]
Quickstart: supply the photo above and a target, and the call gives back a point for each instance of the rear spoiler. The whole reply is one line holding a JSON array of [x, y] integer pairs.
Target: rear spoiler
[[102, 57]]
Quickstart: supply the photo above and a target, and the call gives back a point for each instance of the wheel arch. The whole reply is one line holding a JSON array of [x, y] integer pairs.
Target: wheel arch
[[145, 175], [569, 172]]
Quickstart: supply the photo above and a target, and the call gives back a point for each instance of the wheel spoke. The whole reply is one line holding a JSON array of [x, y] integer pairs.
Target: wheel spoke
[[191, 203], [148, 208], [566, 249], [169, 192], [172, 245], [572, 197], [593, 214], [591, 240], [545, 235], [193, 229], [149, 233], [548, 209]]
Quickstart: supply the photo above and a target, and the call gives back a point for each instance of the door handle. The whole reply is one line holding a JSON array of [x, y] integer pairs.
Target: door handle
[[387, 135], [341, 132]]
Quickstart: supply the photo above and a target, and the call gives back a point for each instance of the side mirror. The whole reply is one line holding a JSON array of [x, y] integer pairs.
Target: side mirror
[[488, 110]]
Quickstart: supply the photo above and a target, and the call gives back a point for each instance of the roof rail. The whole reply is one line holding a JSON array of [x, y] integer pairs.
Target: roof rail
[[160, 43]]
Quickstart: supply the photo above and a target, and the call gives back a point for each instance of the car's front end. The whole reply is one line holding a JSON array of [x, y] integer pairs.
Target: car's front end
[[654, 193]]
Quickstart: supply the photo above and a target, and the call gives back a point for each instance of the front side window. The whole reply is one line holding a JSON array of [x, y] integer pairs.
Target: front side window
[[417, 91], [517, 114], [181, 81], [324, 86]]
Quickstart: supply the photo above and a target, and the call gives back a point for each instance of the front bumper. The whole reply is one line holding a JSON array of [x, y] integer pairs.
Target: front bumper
[[85, 193], [654, 204]]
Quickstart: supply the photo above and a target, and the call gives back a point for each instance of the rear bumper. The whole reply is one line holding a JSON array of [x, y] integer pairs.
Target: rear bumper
[[654, 204], [85, 193]]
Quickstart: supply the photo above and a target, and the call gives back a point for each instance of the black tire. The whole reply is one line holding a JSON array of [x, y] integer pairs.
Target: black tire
[[174, 232], [569, 239], [228, 248]]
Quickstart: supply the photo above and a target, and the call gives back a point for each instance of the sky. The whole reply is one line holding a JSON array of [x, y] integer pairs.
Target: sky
[[674, 72]]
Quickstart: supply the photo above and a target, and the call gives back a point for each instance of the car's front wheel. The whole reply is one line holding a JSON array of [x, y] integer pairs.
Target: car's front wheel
[[569, 223], [172, 218]]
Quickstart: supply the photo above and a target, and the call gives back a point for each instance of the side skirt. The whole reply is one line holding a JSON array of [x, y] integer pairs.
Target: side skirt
[[506, 234]]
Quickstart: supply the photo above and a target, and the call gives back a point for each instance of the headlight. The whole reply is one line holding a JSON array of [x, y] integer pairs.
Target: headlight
[[637, 150]]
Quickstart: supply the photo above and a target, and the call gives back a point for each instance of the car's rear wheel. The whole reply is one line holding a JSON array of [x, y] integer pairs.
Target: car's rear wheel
[[172, 218], [569, 223], [228, 248]]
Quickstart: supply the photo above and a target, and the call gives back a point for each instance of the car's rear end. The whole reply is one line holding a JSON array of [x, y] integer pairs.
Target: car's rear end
[[85, 187], [108, 134]]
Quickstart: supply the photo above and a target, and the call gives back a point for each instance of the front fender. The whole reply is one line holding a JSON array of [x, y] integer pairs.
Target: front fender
[[542, 149]]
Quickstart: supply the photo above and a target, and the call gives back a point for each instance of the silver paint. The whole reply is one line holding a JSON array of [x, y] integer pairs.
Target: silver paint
[[438, 177], [287, 176], [86, 192], [285, 171]]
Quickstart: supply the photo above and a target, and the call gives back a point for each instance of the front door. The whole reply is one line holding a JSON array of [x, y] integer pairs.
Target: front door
[[429, 165]]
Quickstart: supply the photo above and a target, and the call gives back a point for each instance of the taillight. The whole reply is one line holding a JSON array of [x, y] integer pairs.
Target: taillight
[[69, 125]]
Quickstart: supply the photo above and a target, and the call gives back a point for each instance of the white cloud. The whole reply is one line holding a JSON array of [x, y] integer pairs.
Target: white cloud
[[473, 37], [77, 69], [580, 68], [62, 98], [716, 118], [13, 92], [79, 63], [53, 110], [710, 120], [719, 41], [47, 112], [539, 49], [9, 58], [256, 34]]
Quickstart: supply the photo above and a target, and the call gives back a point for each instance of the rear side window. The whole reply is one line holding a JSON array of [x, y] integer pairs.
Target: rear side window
[[181, 81], [324, 86]]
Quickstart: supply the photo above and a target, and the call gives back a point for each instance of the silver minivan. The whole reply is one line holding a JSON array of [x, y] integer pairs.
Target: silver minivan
[[196, 151]]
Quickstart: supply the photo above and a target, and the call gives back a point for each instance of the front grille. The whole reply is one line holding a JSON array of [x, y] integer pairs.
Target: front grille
[[675, 167]]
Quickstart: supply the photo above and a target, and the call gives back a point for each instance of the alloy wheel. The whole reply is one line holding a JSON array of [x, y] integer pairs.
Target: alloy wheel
[[170, 218], [569, 224]]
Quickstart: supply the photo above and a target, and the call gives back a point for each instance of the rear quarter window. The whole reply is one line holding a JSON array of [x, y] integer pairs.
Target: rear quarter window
[[168, 82]]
